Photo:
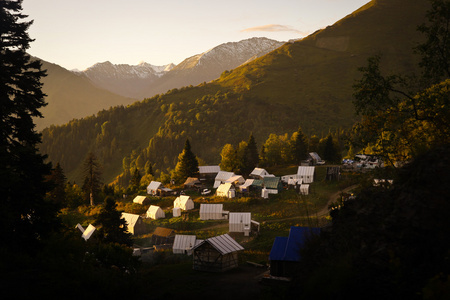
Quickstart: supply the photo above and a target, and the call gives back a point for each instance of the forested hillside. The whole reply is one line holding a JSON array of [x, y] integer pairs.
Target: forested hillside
[[307, 83]]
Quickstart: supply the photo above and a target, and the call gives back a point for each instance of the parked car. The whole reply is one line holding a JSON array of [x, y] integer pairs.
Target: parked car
[[206, 192]]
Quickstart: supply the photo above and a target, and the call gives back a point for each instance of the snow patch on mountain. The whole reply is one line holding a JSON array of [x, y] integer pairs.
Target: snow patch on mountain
[[123, 71]]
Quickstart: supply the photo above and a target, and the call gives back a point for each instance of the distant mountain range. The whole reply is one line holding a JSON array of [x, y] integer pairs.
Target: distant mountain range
[[145, 80], [77, 94]]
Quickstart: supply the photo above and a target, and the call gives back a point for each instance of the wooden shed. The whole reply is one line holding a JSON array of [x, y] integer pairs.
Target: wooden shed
[[216, 254], [163, 236]]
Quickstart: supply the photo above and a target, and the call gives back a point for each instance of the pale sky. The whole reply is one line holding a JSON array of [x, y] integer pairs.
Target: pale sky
[[76, 34]]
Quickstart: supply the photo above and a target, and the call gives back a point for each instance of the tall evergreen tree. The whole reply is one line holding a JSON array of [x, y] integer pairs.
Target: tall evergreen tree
[[299, 146], [59, 181], [92, 178], [187, 165], [113, 229], [26, 217], [252, 153]]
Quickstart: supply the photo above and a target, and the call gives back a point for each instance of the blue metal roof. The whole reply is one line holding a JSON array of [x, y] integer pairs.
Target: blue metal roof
[[288, 248]]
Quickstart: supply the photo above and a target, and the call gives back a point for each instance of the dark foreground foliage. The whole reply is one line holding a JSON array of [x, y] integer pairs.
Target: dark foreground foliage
[[388, 243]]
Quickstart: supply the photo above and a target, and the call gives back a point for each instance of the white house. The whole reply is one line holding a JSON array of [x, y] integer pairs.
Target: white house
[[306, 173], [221, 177], [155, 212], [140, 200], [184, 202], [212, 212], [226, 190], [152, 188], [240, 222], [183, 244]]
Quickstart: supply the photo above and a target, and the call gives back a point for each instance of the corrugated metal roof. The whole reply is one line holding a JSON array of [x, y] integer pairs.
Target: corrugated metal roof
[[154, 185], [184, 242], [211, 208], [305, 171], [224, 244], [240, 217], [235, 178], [292, 244], [223, 175], [208, 169]]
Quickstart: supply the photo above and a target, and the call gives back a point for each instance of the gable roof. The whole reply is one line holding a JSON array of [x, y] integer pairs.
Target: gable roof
[[259, 172], [288, 248], [191, 181], [184, 242], [224, 187], [235, 178], [131, 219], [139, 199], [211, 208], [154, 185], [224, 175], [164, 232], [208, 169], [88, 232], [224, 244]]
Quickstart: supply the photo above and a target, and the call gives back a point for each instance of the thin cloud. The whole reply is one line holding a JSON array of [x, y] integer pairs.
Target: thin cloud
[[274, 28]]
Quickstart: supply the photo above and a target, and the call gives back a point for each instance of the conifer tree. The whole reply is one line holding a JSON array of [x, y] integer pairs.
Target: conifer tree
[[113, 229], [187, 165], [92, 178], [299, 146], [58, 179], [26, 217]]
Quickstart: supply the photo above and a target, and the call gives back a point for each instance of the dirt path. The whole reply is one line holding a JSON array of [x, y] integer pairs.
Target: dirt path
[[333, 198], [323, 212]]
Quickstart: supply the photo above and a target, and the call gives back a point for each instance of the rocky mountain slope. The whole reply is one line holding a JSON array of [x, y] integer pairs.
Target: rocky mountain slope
[[145, 80]]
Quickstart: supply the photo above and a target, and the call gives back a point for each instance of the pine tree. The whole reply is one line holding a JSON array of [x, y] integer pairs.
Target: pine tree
[[26, 217], [92, 178], [187, 165], [299, 146], [252, 153], [113, 229], [59, 181]]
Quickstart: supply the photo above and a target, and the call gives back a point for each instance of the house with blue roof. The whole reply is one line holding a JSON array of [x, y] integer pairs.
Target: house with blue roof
[[285, 254]]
